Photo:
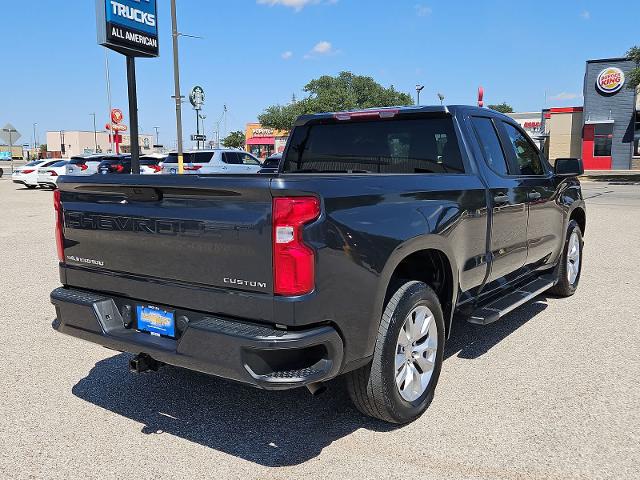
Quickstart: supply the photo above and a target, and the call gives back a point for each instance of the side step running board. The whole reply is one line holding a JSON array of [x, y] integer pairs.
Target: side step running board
[[499, 308]]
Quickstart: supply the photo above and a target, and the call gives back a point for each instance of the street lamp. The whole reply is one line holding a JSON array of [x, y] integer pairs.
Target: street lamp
[[441, 97], [419, 88], [35, 140], [95, 133], [157, 129]]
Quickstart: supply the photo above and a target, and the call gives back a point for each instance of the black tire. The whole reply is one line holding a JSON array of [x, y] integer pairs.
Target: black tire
[[372, 388], [564, 288]]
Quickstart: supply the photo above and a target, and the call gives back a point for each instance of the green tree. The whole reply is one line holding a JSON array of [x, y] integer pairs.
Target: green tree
[[234, 140], [634, 76], [345, 91], [503, 107]]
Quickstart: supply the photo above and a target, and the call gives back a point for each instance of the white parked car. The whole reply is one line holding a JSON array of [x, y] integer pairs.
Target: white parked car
[[203, 162], [27, 175], [48, 176]]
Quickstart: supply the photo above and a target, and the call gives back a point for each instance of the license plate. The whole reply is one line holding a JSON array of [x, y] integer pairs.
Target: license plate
[[156, 321]]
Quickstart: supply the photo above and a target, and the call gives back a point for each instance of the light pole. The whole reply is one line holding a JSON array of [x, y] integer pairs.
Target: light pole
[[419, 88], [441, 97], [95, 133], [176, 77], [35, 141], [157, 129], [204, 130]]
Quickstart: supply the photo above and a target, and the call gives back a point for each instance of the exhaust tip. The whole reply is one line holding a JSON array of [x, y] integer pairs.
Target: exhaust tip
[[316, 389]]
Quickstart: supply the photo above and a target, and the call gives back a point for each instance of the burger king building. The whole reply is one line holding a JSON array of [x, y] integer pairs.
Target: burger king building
[[611, 118]]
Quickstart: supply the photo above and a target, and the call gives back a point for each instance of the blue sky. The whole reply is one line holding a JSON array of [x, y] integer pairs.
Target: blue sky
[[258, 52]]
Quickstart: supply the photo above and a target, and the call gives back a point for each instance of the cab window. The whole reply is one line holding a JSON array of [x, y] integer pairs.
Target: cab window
[[526, 155]]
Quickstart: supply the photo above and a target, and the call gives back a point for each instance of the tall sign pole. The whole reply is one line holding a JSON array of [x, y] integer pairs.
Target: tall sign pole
[[130, 27], [176, 78]]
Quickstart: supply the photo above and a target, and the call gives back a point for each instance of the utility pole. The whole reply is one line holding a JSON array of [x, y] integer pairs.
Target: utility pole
[[419, 88], [176, 77], [95, 133]]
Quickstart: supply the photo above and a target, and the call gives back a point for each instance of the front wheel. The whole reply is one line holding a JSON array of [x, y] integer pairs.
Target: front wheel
[[399, 383], [570, 263]]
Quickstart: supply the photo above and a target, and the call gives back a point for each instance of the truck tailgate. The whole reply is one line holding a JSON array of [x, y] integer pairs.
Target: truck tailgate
[[205, 231]]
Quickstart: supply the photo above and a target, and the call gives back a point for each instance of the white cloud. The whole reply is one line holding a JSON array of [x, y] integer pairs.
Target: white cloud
[[564, 96], [287, 55], [297, 5], [586, 15], [423, 10], [322, 48]]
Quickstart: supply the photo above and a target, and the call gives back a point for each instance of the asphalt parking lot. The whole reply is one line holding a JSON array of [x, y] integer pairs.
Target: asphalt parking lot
[[551, 391]]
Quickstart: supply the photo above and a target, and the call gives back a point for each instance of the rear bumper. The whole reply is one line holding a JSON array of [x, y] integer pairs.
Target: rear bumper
[[250, 353]]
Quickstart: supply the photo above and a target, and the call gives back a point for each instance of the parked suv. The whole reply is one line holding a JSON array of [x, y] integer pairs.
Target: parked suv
[[203, 162], [380, 227], [119, 165], [85, 164]]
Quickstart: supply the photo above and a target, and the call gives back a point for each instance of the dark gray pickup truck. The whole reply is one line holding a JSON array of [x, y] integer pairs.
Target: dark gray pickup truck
[[378, 228]]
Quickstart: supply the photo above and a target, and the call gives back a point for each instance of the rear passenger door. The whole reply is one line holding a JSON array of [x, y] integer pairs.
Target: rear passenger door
[[508, 235], [545, 229]]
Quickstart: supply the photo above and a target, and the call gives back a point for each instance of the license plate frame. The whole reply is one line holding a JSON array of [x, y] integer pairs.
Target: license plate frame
[[156, 320]]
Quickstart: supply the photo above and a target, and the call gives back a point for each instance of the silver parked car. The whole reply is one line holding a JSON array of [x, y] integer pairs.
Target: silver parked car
[[203, 162]]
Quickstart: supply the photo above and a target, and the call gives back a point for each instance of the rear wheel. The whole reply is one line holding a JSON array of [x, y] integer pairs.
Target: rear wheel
[[571, 263], [399, 384]]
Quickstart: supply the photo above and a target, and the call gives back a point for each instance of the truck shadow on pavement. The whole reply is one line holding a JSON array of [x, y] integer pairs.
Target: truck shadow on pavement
[[272, 429]]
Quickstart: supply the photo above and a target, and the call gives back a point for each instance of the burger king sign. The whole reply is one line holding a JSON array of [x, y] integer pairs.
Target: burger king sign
[[610, 80]]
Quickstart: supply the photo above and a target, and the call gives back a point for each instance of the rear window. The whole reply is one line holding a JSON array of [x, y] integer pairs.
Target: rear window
[[59, 164], [77, 161], [195, 157], [150, 161], [425, 145]]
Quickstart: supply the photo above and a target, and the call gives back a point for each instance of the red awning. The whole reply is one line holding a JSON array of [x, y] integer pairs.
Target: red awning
[[262, 141]]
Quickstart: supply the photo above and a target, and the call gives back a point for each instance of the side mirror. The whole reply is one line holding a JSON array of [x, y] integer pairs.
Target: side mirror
[[569, 167]]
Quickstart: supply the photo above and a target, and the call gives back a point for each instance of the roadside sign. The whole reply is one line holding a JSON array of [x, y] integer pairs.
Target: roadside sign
[[5, 156], [9, 134], [129, 27], [197, 97], [198, 138]]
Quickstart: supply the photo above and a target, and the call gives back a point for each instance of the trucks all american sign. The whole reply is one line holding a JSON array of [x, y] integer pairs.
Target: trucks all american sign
[[129, 27]]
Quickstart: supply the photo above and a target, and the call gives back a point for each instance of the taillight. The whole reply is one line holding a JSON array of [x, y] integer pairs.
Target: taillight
[[52, 173], [57, 205], [83, 166], [293, 261], [192, 168], [119, 168], [156, 168], [25, 172]]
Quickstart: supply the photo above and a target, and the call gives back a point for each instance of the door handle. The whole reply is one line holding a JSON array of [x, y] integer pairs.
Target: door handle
[[501, 199], [534, 196]]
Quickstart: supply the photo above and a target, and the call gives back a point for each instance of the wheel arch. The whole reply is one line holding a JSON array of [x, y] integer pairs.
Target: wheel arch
[[425, 259], [580, 216]]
